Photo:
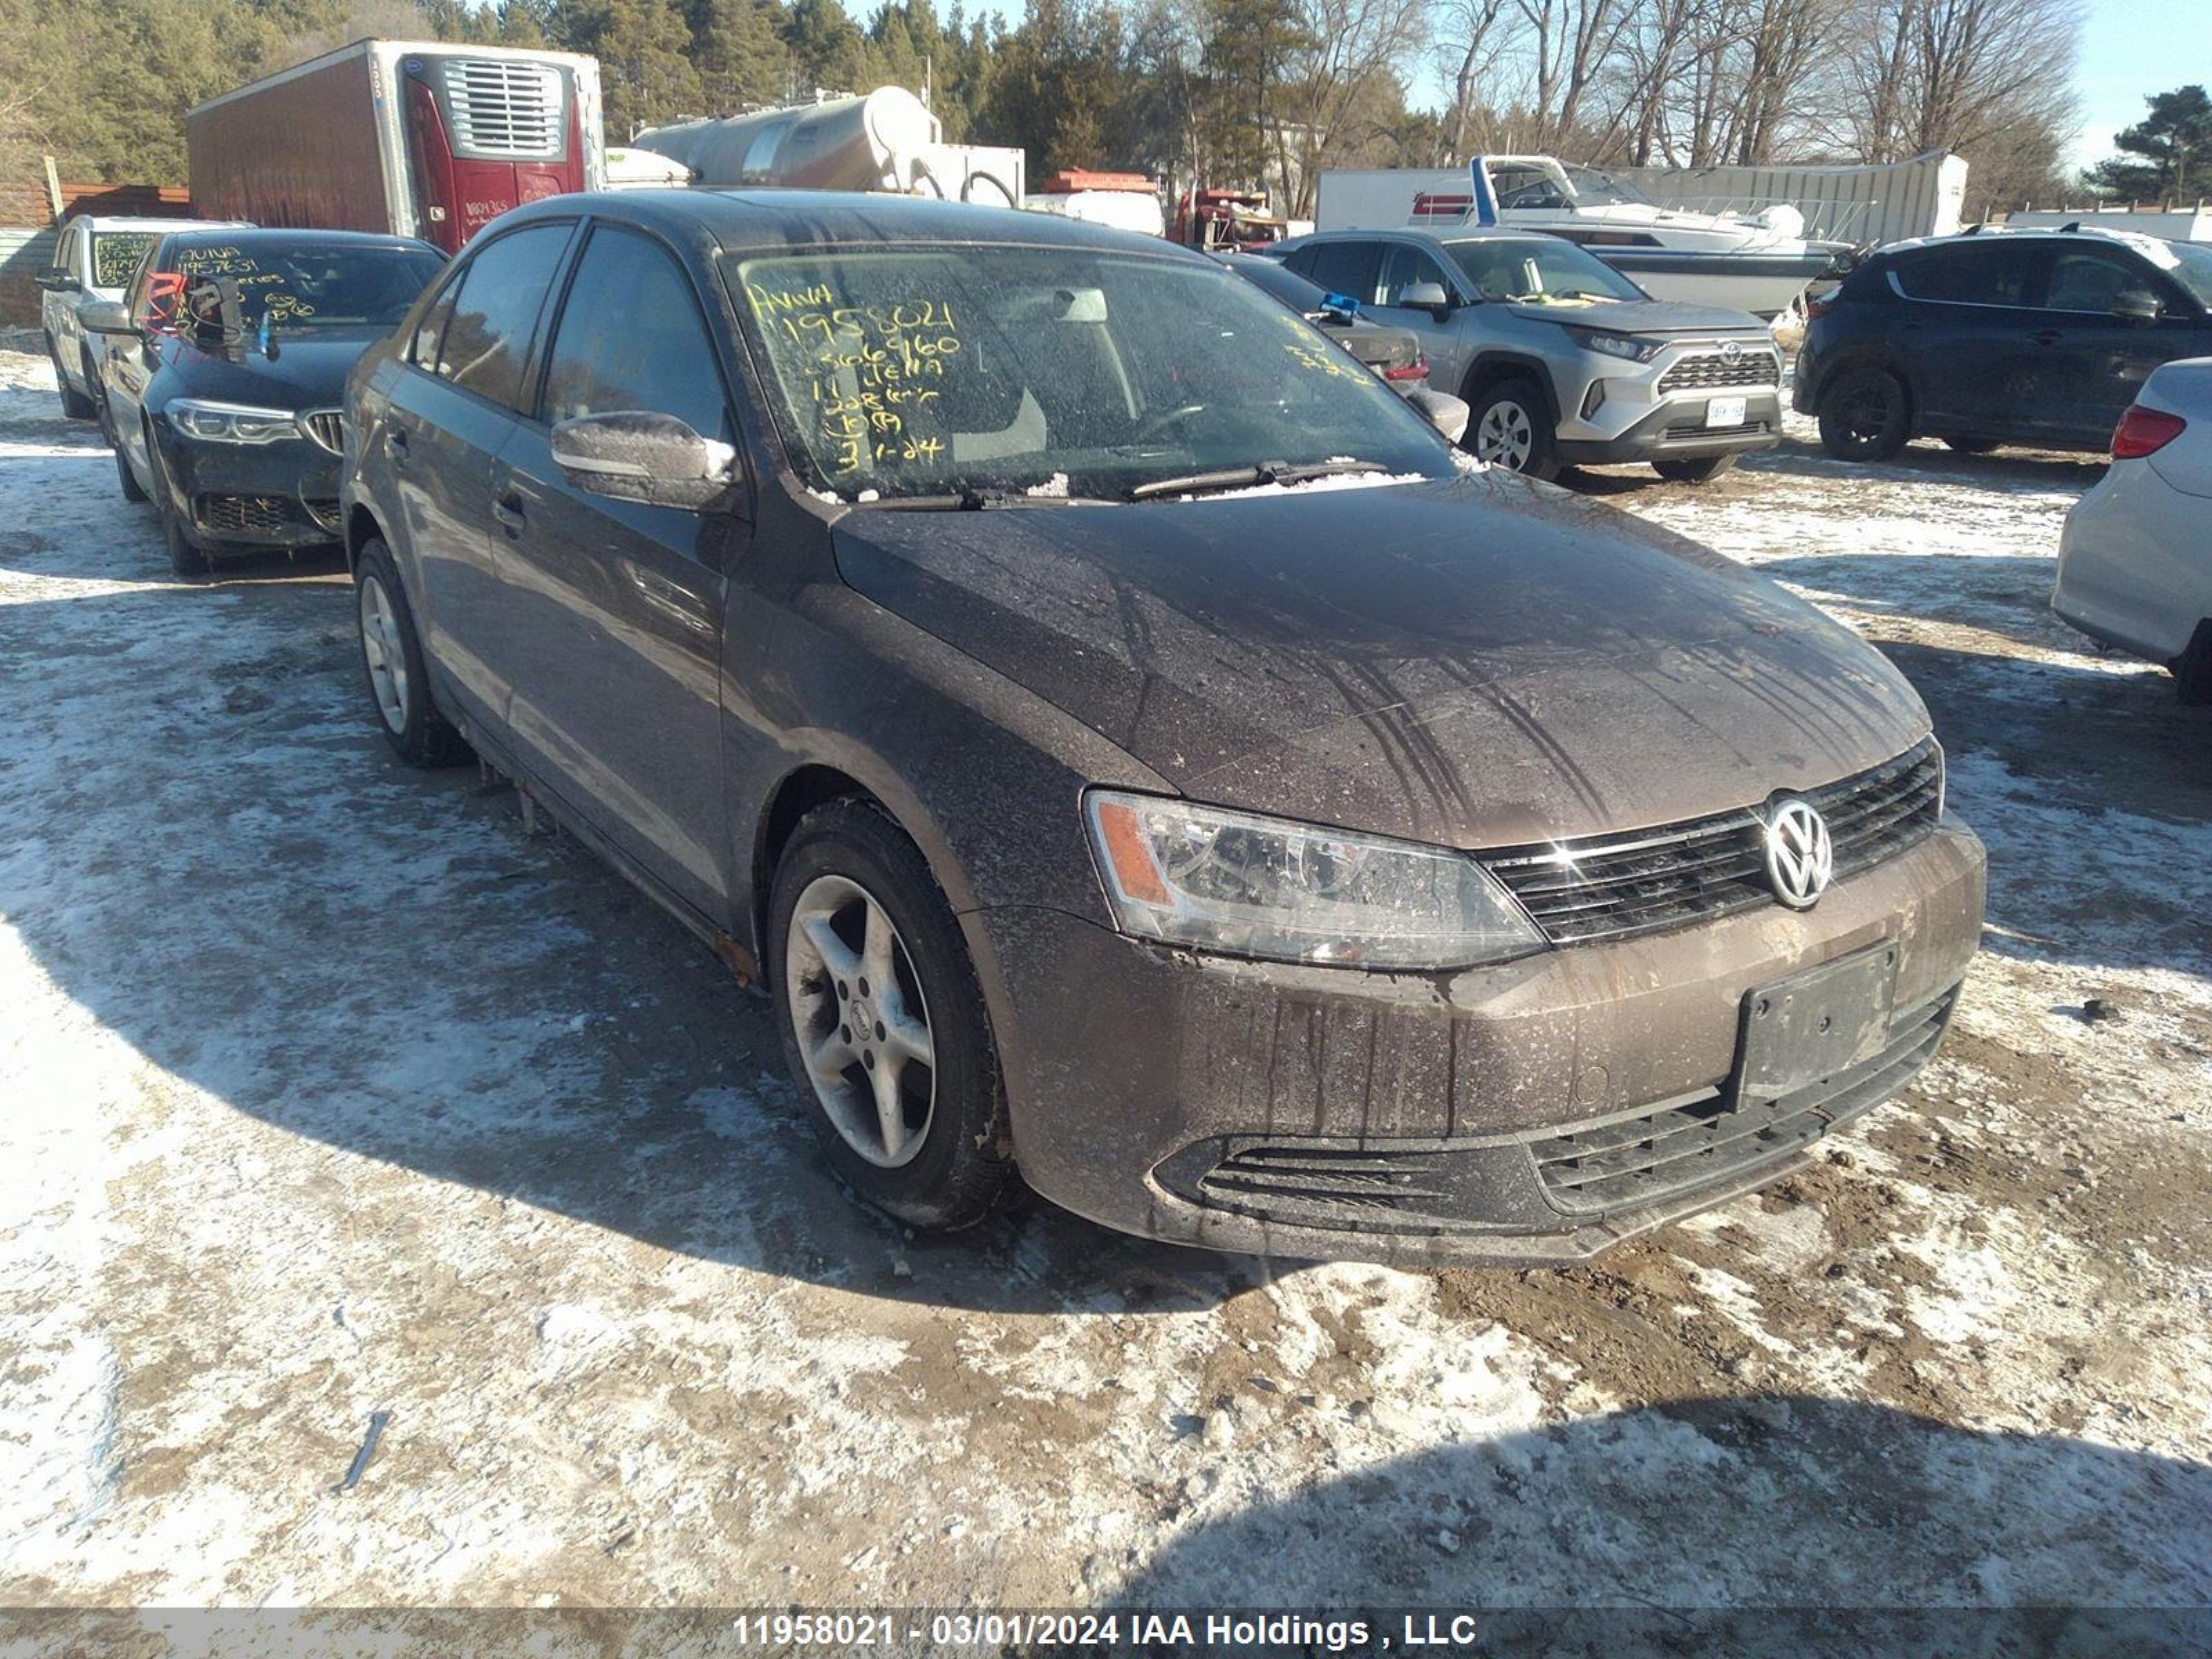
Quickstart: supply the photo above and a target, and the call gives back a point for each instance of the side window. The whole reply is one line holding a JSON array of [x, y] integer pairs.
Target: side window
[[631, 337], [486, 342], [1993, 273], [1402, 267], [139, 300], [65, 256], [1344, 268], [430, 332], [2090, 279]]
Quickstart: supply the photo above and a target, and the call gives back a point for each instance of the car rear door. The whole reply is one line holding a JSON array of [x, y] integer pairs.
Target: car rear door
[[2093, 361], [1967, 330], [615, 607], [449, 418]]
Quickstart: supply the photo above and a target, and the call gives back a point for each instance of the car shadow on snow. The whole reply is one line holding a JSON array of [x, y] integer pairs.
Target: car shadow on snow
[[1779, 1525], [2025, 470]]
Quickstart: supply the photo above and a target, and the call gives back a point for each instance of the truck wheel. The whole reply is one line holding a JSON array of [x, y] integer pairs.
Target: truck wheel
[[1864, 415], [884, 1027], [392, 666], [1699, 470], [75, 404], [2192, 669], [1510, 429]]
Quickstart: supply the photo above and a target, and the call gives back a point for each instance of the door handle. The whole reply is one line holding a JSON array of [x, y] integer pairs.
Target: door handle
[[507, 509], [2046, 337]]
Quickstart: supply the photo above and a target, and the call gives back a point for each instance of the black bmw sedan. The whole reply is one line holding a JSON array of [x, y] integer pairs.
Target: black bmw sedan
[[224, 366]]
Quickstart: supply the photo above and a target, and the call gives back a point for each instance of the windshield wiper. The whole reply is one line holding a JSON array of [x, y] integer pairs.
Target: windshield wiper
[[969, 498], [1246, 477]]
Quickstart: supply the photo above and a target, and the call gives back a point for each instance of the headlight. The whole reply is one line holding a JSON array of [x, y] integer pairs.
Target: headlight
[[1228, 881], [1618, 345], [232, 423]]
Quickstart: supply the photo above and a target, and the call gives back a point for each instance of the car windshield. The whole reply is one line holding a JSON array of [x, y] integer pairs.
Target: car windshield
[[1541, 270], [1596, 188], [2193, 268], [116, 254], [920, 371], [295, 286]]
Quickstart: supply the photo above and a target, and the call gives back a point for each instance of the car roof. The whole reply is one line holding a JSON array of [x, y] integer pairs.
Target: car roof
[[1442, 238], [2141, 241], [751, 220], [142, 222], [251, 236]]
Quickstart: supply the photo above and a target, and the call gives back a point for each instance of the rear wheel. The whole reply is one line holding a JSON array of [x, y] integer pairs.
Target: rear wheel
[[392, 666], [74, 403], [884, 1027], [1864, 416], [1508, 427], [1684, 471]]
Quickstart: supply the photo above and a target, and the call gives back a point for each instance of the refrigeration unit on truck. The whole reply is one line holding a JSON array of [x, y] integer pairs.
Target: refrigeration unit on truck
[[412, 137]]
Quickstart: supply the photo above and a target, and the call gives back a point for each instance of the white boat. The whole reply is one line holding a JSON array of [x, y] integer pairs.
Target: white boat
[[1759, 262]]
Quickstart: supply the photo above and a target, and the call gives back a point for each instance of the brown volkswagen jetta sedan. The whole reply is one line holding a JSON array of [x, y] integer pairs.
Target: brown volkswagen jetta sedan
[[1139, 759]]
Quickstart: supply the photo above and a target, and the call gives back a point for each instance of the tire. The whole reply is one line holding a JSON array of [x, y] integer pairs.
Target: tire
[[1508, 426], [1864, 415], [132, 491], [75, 404], [188, 561], [848, 864], [1702, 469], [1972, 446], [402, 703], [2192, 669]]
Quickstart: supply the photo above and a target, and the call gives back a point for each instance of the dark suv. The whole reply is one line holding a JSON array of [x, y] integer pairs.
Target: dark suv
[[1130, 746], [1990, 337]]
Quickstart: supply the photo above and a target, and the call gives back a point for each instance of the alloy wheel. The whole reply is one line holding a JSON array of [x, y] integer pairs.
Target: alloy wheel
[[1505, 437], [862, 1020], [381, 647]]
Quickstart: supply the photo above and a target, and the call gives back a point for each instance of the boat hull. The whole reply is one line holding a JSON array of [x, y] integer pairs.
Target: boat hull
[[1764, 284]]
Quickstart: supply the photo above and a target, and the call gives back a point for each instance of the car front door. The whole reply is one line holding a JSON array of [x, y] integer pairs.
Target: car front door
[[615, 608], [127, 363], [452, 411], [1445, 344], [2095, 361], [1967, 329]]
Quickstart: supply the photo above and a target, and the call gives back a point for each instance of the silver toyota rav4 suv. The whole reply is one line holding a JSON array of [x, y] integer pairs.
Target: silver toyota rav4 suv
[[1561, 359]]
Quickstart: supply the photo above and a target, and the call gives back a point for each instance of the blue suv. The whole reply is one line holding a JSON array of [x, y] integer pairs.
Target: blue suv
[[1989, 338]]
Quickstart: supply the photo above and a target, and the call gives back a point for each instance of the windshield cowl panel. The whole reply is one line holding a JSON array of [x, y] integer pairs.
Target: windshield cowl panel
[[985, 376]]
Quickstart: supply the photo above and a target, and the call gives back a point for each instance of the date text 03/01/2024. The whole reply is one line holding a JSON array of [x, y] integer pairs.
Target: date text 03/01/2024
[[1197, 1630]]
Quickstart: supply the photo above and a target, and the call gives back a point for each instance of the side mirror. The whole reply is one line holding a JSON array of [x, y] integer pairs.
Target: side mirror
[[56, 279], [635, 455], [105, 317], [1448, 414], [2136, 307], [1427, 296]]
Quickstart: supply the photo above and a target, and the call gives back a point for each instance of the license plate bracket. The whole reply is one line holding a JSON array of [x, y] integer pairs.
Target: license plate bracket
[[1725, 411], [1804, 1030]]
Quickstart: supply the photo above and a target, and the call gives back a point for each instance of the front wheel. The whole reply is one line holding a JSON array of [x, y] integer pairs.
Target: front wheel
[[1864, 416], [1508, 427], [187, 561], [884, 1027], [74, 403], [1680, 469], [392, 666]]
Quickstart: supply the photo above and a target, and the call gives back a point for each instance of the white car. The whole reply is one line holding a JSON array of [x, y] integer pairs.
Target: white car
[[96, 258], [2135, 564]]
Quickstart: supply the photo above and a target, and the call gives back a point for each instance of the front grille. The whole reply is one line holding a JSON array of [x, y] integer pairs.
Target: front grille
[[1706, 1141], [237, 514], [326, 427], [1608, 887], [1699, 429], [504, 108], [325, 511], [1755, 366]]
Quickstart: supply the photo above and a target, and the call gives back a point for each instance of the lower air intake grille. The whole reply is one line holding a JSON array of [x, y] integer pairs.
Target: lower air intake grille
[[1611, 887], [1647, 1160], [327, 428], [235, 514]]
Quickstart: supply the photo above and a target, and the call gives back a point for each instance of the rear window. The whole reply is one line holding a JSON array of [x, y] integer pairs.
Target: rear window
[[1977, 274]]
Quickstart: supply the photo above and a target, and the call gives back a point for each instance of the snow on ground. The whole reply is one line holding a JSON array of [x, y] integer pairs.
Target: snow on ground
[[324, 1089]]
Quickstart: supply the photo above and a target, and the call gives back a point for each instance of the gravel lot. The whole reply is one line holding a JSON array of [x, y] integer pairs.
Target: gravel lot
[[324, 1089]]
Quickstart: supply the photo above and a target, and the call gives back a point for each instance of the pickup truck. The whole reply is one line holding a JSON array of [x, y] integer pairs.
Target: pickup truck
[[96, 259]]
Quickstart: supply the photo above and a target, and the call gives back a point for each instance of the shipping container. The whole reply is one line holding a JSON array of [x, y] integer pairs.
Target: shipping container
[[406, 136]]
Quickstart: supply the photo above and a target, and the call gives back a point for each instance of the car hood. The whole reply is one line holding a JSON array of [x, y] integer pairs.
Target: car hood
[[1480, 662], [1644, 317], [305, 371]]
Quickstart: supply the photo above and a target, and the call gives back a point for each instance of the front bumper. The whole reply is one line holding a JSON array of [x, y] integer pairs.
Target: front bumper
[[276, 495], [1677, 429], [1325, 1113]]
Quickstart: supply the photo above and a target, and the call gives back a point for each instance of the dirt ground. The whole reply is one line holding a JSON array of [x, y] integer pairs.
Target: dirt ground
[[326, 1091]]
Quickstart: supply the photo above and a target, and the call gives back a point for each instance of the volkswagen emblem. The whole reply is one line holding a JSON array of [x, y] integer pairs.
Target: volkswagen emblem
[[1801, 859], [1730, 350]]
